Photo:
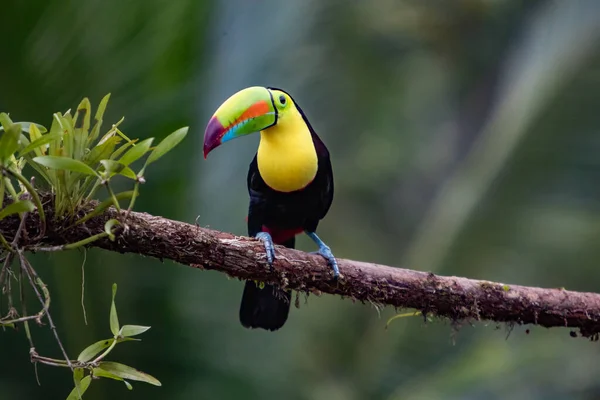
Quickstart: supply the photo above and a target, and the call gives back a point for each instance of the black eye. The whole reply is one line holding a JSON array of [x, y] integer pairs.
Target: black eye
[[282, 100]]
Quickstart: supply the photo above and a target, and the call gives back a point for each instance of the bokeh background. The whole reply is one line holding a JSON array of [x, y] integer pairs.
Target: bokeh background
[[465, 139]]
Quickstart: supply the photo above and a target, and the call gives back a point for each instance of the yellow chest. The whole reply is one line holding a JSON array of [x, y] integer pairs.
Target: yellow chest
[[287, 160]]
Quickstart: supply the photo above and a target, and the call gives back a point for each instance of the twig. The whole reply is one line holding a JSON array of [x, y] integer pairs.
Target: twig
[[69, 246], [5, 267], [83, 285], [31, 274], [8, 291], [35, 357], [19, 232], [24, 309], [19, 320]]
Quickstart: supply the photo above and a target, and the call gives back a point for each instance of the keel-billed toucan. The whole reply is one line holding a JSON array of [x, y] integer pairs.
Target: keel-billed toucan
[[290, 183]]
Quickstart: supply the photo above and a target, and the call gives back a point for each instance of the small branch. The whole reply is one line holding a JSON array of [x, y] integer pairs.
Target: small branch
[[4, 271], [69, 246], [11, 248], [35, 281], [452, 297], [35, 357], [24, 309], [4, 322]]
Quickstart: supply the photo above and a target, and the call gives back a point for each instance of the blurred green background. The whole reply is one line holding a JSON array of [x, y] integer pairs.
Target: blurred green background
[[465, 140]]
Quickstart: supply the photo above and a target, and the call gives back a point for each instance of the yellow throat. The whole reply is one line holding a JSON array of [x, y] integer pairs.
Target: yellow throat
[[287, 159]]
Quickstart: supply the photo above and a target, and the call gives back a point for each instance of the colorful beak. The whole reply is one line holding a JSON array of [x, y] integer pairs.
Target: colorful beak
[[249, 110]]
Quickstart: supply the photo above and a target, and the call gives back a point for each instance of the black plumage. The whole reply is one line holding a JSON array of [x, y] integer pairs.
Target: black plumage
[[283, 215]]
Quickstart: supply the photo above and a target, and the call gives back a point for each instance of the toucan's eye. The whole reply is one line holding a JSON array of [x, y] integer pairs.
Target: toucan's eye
[[282, 100]]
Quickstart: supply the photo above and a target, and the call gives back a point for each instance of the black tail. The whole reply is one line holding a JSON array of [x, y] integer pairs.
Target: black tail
[[265, 308]]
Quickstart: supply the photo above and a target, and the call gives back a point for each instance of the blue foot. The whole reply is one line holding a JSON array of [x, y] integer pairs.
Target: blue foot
[[265, 237], [325, 251]]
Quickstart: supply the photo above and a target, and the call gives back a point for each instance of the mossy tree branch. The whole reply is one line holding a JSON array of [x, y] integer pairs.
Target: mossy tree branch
[[452, 297]]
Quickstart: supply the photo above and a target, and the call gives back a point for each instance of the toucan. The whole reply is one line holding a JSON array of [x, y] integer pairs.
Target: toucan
[[290, 183]]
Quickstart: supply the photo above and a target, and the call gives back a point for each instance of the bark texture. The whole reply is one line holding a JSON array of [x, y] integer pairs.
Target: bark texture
[[241, 257]]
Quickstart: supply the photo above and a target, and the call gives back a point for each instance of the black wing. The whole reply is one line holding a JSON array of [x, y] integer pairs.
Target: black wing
[[256, 209], [325, 177]]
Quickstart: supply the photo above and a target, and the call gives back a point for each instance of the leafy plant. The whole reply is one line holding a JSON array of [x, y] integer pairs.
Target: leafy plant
[[75, 159], [95, 365]]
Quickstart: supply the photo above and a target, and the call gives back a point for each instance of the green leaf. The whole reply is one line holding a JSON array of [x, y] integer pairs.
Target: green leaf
[[2, 190], [90, 352], [77, 377], [98, 117], [55, 128], [102, 107], [102, 151], [114, 319], [40, 170], [9, 141], [100, 373], [81, 122], [105, 204], [136, 152], [66, 124], [34, 134], [167, 144], [94, 349], [108, 229], [5, 121], [119, 152], [23, 140], [127, 372], [65, 163], [83, 115], [115, 167], [27, 126], [16, 207], [83, 386], [132, 330], [42, 141]]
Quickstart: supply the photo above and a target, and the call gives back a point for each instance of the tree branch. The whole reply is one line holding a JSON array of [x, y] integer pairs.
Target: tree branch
[[452, 297]]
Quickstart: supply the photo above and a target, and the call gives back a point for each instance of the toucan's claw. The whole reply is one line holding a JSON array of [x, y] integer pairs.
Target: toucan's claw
[[325, 251], [267, 240]]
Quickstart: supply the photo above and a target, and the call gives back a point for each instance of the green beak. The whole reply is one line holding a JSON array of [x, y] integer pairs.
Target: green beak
[[247, 111]]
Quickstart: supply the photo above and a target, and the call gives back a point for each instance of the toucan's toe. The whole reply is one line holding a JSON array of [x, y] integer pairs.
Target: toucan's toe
[[325, 251], [267, 240]]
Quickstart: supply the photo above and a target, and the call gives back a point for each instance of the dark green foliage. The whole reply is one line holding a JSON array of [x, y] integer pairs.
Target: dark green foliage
[[74, 162]]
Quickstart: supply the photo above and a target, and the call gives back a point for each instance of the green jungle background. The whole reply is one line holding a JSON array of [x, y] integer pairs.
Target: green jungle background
[[465, 140]]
